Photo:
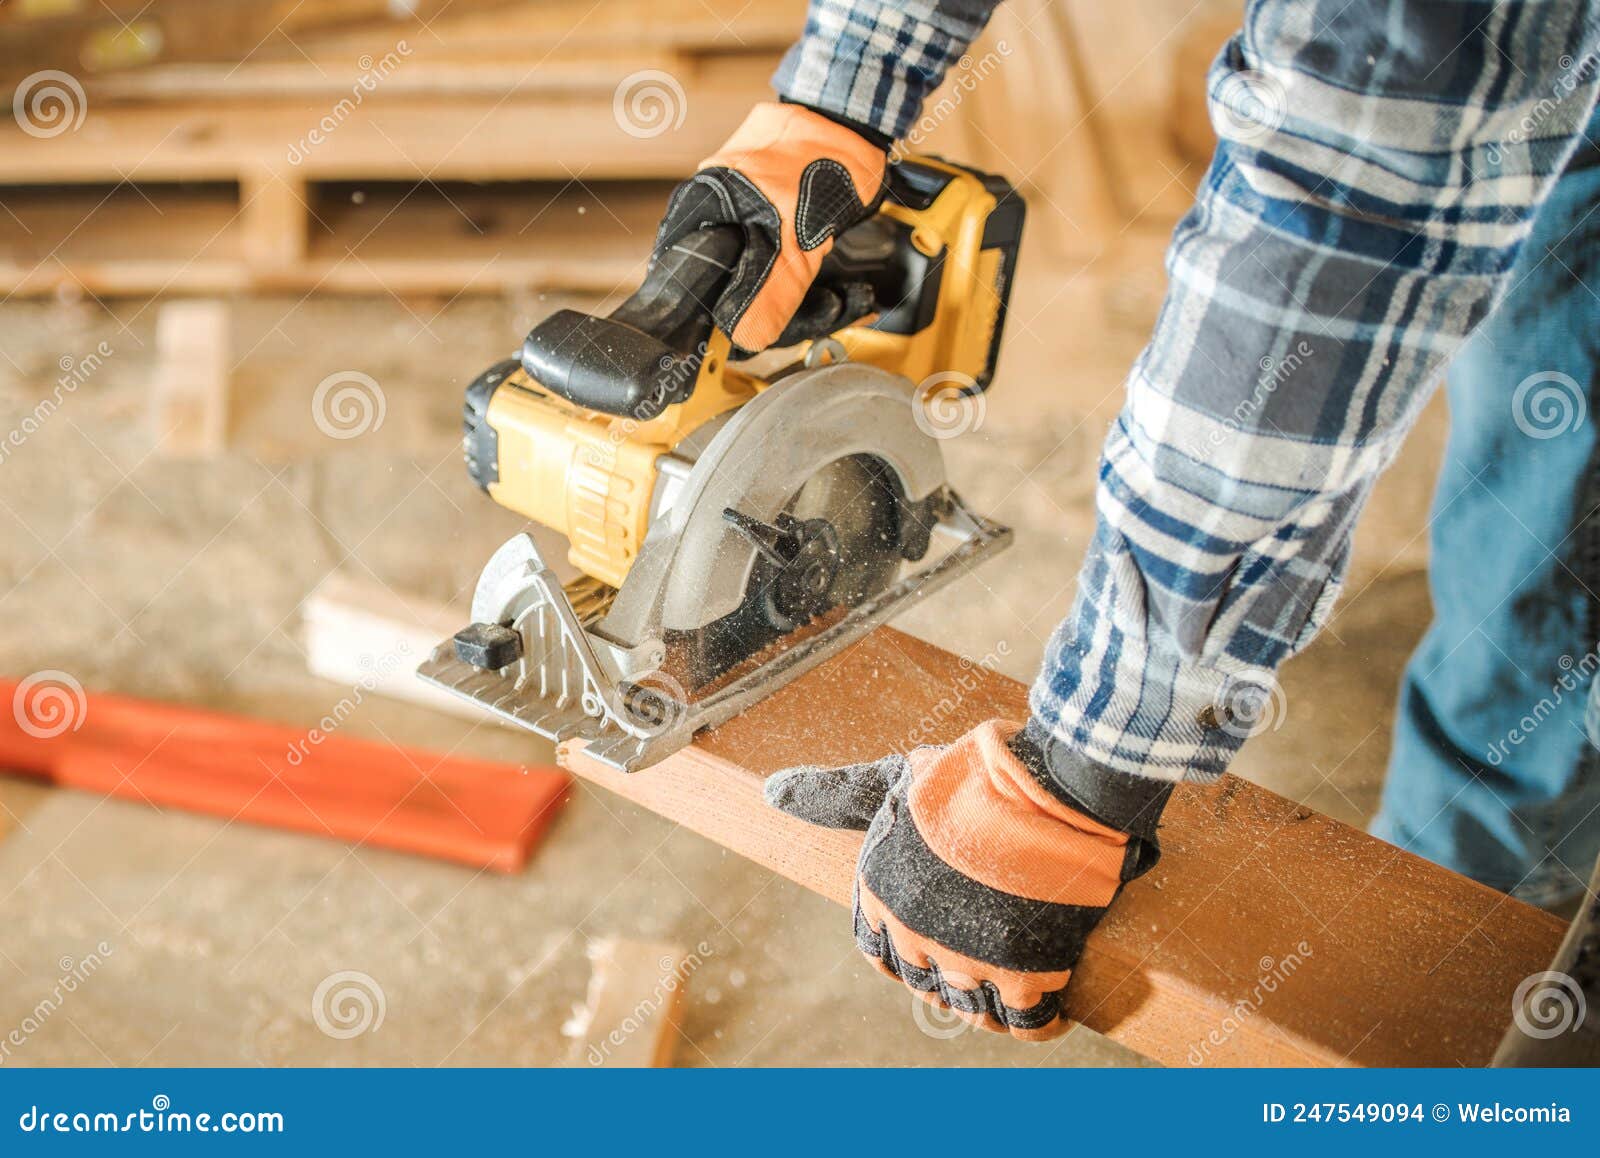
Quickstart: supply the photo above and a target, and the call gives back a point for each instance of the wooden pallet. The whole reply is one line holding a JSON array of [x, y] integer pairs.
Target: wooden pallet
[[209, 176]]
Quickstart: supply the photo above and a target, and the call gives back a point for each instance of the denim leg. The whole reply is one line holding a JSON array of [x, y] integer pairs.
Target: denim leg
[[1491, 773]]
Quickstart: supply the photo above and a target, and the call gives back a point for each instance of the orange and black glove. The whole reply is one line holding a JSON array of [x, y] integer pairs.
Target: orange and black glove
[[986, 865], [791, 179]]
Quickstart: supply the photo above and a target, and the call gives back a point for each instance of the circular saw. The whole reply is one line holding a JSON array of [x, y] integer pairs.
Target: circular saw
[[732, 530]]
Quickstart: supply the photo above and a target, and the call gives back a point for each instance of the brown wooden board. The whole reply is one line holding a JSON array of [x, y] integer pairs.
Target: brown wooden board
[[1267, 935], [473, 138]]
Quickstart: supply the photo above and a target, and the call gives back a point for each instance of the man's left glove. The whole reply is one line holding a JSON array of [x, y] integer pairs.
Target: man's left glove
[[792, 180], [982, 873]]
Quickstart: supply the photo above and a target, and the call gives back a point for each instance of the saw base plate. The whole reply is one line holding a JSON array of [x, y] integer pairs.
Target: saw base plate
[[619, 737]]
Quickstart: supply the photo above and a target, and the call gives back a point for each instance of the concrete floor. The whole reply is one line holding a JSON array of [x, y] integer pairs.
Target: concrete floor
[[176, 579]]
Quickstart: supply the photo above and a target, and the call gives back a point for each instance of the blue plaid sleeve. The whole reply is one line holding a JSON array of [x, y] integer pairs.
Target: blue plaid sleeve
[[1380, 163], [873, 62]]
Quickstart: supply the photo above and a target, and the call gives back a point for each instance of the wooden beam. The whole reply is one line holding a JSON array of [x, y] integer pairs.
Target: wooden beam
[[64, 33], [349, 623], [1268, 934], [634, 1004], [275, 209], [561, 136], [190, 398]]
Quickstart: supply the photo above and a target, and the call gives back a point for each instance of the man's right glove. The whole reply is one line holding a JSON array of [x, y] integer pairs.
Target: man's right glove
[[792, 180], [982, 876]]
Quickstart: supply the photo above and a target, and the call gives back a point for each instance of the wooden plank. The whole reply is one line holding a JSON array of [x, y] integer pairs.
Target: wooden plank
[[634, 1005], [1268, 934], [473, 138], [347, 622], [190, 398], [479, 813], [424, 71]]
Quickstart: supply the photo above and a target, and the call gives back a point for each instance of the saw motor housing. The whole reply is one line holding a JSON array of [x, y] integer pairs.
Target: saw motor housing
[[589, 447], [733, 529]]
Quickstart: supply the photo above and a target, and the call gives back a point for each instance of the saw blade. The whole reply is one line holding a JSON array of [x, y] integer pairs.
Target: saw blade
[[846, 521]]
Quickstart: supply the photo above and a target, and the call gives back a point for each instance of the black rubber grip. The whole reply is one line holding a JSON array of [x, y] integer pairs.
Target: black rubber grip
[[646, 355]]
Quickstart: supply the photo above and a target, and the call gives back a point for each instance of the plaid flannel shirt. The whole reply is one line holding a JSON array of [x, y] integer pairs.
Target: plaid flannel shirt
[[1380, 163]]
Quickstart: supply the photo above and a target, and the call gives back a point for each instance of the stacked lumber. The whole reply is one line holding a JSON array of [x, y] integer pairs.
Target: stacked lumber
[[254, 167], [389, 145]]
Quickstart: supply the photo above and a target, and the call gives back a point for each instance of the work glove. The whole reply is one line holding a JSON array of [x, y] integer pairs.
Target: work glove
[[792, 180], [981, 875]]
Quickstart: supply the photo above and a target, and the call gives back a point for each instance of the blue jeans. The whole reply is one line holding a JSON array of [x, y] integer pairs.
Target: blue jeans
[[1491, 772]]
